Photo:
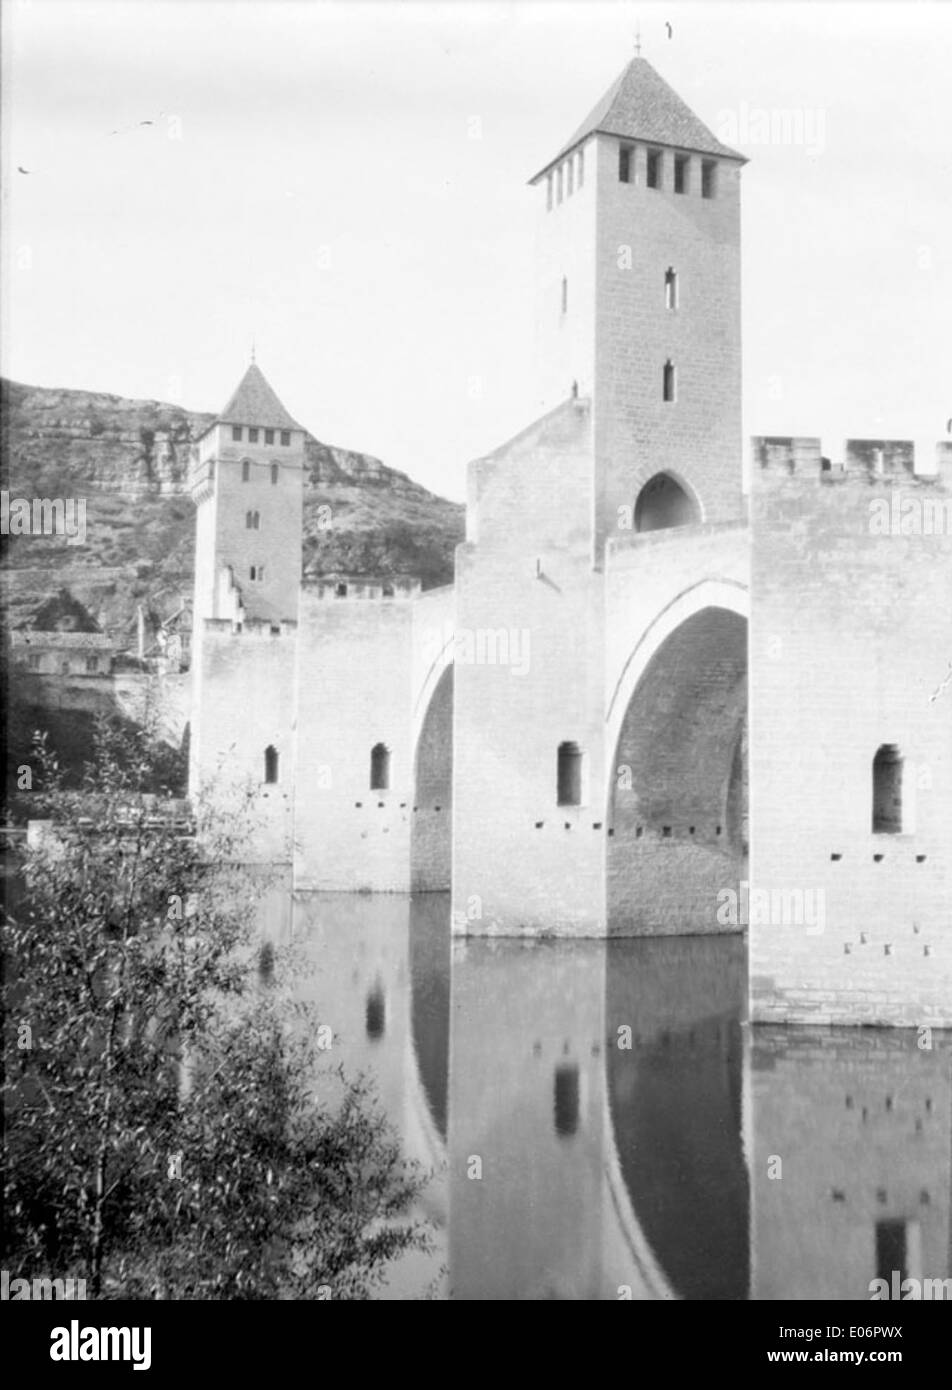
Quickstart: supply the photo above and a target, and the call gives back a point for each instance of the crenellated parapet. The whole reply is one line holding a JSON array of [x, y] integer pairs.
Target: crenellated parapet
[[866, 460]]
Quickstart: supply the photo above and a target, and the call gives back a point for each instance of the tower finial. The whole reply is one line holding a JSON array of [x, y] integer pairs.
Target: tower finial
[[638, 41]]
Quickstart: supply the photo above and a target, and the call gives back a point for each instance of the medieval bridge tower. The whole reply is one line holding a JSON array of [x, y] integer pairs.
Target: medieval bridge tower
[[634, 652]]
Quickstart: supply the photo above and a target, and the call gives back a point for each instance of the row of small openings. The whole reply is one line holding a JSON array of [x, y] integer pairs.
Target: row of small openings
[[654, 171], [563, 181], [670, 290], [256, 574], [340, 590], [246, 471], [238, 433], [33, 664]]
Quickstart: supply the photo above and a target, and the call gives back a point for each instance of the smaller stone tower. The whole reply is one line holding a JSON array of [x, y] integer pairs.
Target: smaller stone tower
[[247, 483]]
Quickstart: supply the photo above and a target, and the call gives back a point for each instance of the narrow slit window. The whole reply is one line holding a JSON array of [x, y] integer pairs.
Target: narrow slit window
[[569, 177], [887, 790], [653, 169], [670, 288], [624, 164], [274, 474], [271, 764], [565, 295], [569, 775], [681, 173], [380, 768], [669, 386], [558, 184], [245, 471], [709, 178], [548, 193], [581, 168]]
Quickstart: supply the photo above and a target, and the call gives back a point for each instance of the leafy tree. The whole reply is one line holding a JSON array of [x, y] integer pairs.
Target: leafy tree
[[167, 1133]]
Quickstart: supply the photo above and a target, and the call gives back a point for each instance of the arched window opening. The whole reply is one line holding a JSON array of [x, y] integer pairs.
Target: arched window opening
[[670, 288], [379, 768], [662, 503], [245, 470], [274, 473], [887, 790], [375, 1018], [566, 1099], [271, 764], [669, 382], [569, 777]]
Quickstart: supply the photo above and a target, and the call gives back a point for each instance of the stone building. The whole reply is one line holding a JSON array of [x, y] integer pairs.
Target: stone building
[[634, 651]]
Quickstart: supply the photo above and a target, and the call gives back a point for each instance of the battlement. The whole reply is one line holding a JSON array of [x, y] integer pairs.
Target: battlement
[[870, 460], [348, 586]]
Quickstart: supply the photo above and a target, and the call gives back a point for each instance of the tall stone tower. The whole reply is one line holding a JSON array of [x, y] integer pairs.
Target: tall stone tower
[[638, 304], [247, 483]]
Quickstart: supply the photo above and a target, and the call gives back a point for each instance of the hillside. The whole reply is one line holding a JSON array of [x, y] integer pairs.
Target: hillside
[[129, 460]]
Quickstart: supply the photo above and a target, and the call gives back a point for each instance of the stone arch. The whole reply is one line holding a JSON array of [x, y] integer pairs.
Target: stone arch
[[677, 784], [431, 830], [664, 501]]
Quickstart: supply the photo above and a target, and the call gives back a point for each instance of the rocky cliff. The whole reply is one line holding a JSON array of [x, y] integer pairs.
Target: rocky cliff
[[129, 460]]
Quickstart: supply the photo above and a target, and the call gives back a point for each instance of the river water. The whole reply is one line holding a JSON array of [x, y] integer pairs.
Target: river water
[[601, 1122]]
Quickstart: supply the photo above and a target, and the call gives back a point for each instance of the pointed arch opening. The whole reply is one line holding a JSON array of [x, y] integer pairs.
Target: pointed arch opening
[[679, 782], [380, 768], [663, 503], [887, 790]]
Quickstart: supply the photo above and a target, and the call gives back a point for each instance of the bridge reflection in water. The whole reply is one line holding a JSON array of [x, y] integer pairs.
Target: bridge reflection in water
[[601, 1124]]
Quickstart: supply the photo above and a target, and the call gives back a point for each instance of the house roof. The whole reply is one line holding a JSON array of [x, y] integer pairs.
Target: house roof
[[255, 403], [60, 613], [639, 105]]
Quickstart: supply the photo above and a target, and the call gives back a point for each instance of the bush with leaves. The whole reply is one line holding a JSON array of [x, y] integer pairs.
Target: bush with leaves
[[164, 1133]]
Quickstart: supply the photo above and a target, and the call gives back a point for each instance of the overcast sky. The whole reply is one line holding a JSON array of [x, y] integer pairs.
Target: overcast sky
[[311, 178]]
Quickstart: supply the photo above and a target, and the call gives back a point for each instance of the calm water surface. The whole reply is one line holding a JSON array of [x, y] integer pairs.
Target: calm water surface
[[601, 1123]]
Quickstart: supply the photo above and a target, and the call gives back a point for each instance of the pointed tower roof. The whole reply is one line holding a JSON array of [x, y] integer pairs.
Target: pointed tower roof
[[639, 105], [255, 403]]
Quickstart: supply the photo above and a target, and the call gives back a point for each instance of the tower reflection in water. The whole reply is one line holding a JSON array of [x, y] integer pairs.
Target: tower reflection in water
[[601, 1124]]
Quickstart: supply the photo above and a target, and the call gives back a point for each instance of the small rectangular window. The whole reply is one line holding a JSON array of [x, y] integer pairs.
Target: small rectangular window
[[669, 384], [653, 169], [581, 167], [285, 437], [570, 176], [252, 435], [236, 431], [548, 193], [680, 173], [558, 184], [709, 178], [92, 663], [670, 288], [624, 164], [565, 295], [269, 436]]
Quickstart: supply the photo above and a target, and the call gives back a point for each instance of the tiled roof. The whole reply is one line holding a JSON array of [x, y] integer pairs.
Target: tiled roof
[[639, 105], [254, 403]]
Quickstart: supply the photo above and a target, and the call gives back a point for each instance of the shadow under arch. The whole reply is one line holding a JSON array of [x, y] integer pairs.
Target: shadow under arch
[[429, 947], [431, 826], [677, 801], [665, 501], [675, 1105]]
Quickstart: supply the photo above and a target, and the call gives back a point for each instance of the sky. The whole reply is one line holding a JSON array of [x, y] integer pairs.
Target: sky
[[346, 186]]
